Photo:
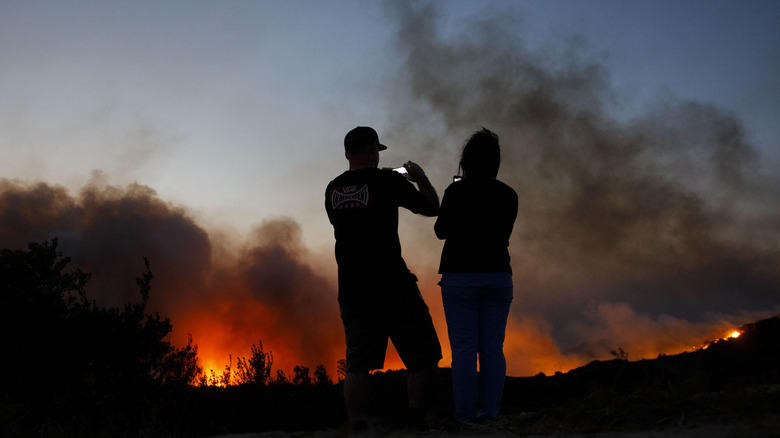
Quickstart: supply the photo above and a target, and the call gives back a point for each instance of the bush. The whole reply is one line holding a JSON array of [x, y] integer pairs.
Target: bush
[[71, 366]]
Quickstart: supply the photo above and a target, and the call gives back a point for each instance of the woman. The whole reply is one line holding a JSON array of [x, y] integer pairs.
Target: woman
[[475, 220]]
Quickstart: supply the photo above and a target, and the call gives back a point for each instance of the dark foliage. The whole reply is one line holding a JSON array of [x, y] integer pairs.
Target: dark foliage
[[73, 368], [732, 380], [257, 369]]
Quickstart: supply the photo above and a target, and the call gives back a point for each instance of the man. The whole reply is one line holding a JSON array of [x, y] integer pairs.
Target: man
[[378, 295]]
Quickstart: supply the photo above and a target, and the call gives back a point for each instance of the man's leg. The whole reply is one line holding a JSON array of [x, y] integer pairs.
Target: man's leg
[[356, 391], [418, 388], [415, 339]]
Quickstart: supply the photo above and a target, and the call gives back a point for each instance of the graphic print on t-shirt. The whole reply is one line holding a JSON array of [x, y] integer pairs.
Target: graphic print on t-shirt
[[349, 197]]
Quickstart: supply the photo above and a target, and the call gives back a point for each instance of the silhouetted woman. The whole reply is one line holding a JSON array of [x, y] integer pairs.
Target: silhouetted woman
[[475, 220]]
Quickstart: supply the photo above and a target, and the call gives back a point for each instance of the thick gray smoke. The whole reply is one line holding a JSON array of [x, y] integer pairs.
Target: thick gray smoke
[[648, 232], [227, 299], [662, 220]]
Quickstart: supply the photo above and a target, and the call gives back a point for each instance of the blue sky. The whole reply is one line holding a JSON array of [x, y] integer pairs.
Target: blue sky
[[213, 103]]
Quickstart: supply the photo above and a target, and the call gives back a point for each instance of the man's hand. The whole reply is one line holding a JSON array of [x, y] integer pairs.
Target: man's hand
[[417, 175]]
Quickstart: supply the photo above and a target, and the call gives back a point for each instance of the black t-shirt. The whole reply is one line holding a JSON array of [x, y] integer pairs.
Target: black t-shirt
[[476, 218], [362, 206]]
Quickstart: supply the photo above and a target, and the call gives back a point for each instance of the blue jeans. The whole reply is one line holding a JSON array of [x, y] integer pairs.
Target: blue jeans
[[476, 307]]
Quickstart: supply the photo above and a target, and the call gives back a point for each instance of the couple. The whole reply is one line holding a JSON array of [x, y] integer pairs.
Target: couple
[[378, 295]]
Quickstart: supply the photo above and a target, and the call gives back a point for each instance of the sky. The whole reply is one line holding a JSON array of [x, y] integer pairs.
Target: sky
[[641, 137]]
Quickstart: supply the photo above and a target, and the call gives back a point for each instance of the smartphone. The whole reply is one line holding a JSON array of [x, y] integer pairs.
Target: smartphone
[[402, 170]]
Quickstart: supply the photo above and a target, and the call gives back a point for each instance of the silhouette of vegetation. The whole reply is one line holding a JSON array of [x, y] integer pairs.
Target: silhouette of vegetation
[[321, 377], [281, 378], [341, 370], [72, 363], [301, 375], [72, 368], [619, 354], [257, 369]]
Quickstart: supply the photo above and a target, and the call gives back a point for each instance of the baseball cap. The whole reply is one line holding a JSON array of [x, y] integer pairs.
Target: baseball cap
[[362, 135]]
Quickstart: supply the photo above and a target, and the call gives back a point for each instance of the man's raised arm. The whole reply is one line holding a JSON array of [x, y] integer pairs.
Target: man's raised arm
[[417, 175]]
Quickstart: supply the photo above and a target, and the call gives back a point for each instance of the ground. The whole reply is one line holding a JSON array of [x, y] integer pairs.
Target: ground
[[729, 389]]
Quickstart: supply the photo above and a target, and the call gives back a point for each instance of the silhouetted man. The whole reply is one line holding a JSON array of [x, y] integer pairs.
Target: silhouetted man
[[378, 295]]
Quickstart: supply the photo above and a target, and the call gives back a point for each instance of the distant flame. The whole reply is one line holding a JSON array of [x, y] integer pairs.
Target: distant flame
[[733, 334]]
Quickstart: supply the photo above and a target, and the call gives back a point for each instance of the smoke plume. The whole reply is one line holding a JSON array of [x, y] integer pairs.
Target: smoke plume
[[227, 300], [638, 232]]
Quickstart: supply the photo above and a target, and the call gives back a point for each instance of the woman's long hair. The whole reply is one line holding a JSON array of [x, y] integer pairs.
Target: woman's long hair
[[481, 156]]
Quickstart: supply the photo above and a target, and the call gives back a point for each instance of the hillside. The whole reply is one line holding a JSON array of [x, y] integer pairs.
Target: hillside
[[736, 380], [733, 383], [732, 387]]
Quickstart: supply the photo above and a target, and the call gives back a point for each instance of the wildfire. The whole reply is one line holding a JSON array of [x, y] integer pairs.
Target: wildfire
[[733, 334]]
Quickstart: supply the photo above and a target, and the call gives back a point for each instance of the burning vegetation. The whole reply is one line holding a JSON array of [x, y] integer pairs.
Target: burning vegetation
[[112, 371], [102, 365]]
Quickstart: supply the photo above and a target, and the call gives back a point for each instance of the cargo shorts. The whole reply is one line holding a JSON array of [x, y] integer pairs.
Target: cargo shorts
[[398, 313]]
